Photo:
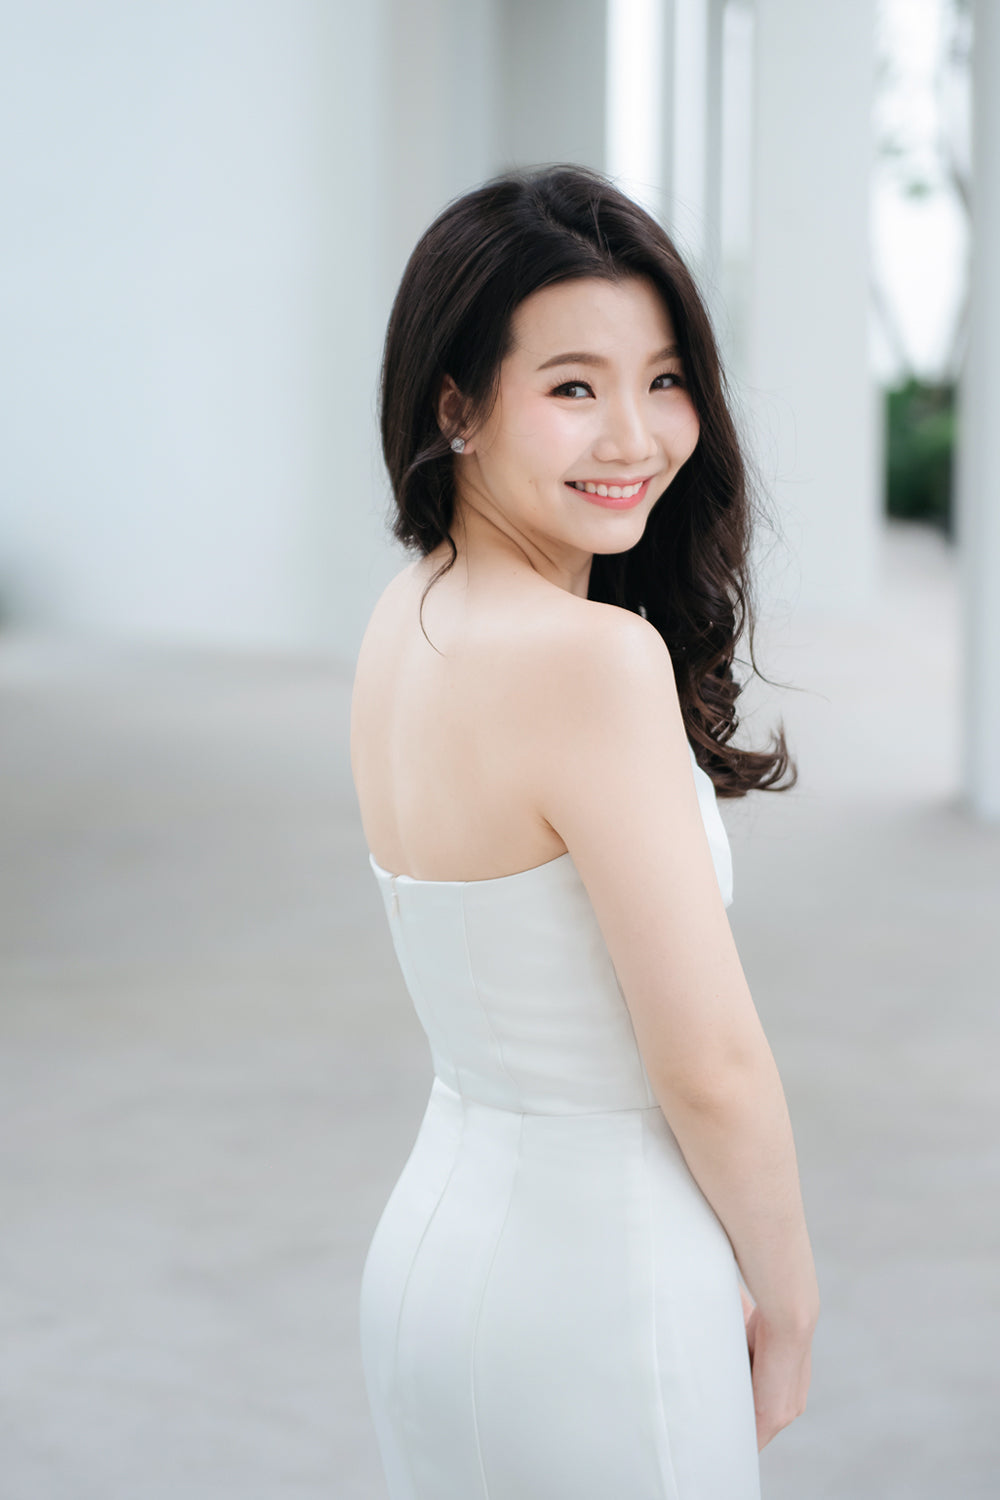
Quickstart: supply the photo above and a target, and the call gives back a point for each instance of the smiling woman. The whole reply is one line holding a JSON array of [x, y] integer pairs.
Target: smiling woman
[[621, 434], [592, 1277], [502, 284]]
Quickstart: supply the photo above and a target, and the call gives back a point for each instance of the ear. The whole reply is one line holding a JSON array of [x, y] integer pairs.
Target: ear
[[451, 412]]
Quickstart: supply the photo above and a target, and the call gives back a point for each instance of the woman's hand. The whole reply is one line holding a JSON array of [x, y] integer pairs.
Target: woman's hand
[[781, 1368]]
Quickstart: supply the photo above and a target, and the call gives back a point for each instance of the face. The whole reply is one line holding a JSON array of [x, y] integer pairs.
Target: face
[[592, 422]]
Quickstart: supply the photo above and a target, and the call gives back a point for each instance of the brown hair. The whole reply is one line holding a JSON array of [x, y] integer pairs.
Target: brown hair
[[688, 574]]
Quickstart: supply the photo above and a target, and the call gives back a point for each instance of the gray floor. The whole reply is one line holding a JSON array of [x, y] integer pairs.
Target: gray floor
[[210, 1073]]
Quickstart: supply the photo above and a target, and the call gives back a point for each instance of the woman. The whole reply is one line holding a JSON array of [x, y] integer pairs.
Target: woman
[[551, 1305]]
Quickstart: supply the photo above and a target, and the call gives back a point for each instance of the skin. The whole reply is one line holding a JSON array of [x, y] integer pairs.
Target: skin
[[628, 418], [545, 722]]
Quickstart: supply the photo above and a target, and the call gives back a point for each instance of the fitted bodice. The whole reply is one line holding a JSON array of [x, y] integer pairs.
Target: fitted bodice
[[513, 983], [550, 1305]]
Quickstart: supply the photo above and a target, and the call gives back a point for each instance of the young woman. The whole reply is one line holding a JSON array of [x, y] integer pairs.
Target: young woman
[[552, 1305]]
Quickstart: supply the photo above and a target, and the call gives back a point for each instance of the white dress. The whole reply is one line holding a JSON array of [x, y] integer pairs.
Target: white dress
[[550, 1307]]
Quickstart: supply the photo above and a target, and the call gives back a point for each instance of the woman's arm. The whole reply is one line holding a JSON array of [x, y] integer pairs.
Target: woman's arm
[[737, 1139], [607, 753]]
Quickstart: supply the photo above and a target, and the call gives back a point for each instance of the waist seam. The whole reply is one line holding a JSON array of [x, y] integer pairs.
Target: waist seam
[[542, 1114]]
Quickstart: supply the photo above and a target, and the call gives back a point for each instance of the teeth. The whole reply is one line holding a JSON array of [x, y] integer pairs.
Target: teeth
[[614, 491]]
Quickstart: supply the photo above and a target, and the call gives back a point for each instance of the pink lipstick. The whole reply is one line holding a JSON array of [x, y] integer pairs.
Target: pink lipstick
[[631, 497]]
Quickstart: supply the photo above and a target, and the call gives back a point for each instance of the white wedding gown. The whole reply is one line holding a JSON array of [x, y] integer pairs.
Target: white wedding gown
[[550, 1307]]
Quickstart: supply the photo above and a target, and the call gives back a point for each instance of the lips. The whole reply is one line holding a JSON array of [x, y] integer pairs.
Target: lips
[[620, 496], [616, 489]]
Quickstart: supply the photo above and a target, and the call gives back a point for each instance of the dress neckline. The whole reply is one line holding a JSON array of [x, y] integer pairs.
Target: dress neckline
[[486, 880], [385, 874]]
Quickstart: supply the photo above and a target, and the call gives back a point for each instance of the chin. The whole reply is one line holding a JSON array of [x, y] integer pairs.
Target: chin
[[623, 541]]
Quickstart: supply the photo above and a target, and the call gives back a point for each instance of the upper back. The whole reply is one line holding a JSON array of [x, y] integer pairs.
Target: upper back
[[547, 711], [439, 726]]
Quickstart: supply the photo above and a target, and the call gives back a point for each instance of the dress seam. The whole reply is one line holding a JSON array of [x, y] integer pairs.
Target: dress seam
[[406, 1446], [665, 1455], [479, 1309], [549, 1114]]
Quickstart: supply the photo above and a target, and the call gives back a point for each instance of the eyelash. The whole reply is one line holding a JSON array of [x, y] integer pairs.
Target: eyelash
[[568, 385]]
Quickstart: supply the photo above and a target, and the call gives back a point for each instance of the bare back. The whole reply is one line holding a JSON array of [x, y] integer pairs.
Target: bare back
[[438, 737]]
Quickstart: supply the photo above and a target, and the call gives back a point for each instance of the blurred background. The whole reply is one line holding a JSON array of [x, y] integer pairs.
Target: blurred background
[[210, 1073]]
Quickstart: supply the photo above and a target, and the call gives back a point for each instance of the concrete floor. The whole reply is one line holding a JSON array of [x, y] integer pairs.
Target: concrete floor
[[210, 1073]]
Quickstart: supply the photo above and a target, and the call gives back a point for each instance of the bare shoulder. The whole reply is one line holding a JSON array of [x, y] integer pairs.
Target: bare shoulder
[[598, 723], [590, 658], [612, 774], [385, 605], [399, 583]]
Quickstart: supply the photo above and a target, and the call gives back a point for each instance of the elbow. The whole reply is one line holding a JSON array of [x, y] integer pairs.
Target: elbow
[[719, 1088]]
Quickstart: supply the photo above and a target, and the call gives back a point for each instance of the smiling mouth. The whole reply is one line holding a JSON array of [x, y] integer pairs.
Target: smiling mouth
[[615, 491]]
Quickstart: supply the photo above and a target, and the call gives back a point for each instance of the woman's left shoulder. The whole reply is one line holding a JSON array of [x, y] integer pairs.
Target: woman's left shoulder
[[588, 630]]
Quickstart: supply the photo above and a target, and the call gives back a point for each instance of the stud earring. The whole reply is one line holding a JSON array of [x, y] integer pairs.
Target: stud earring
[[458, 444]]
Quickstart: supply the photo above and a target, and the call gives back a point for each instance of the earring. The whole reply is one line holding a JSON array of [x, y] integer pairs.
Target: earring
[[458, 444]]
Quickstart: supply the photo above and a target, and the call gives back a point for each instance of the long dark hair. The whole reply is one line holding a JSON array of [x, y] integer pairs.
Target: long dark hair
[[688, 574]]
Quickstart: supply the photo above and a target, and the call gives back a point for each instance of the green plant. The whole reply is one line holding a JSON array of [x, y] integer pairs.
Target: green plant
[[920, 423]]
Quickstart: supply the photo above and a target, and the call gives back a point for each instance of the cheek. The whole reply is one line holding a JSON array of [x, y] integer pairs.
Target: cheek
[[686, 429], [542, 431]]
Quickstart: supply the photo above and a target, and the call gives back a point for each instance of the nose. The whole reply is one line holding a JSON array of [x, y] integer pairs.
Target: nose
[[625, 437]]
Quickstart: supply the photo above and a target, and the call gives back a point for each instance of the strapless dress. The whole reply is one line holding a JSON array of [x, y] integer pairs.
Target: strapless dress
[[549, 1306]]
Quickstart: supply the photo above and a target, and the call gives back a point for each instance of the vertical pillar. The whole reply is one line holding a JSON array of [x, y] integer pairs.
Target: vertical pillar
[[979, 438], [812, 395], [638, 68], [735, 181], [695, 110], [713, 135], [668, 124]]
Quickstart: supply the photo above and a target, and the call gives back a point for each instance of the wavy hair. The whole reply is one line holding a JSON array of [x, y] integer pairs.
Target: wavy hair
[[688, 575]]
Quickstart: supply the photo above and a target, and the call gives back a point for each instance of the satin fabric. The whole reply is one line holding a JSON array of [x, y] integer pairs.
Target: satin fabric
[[549, 1305]]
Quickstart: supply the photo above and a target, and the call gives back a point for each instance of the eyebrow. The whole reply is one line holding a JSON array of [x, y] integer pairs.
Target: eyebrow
[[581, 357]]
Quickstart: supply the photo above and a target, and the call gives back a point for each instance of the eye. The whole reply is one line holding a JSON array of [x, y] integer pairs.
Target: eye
[[570, 386]]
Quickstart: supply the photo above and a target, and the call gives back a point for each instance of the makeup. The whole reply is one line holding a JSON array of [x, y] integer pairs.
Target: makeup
[[614, 502]]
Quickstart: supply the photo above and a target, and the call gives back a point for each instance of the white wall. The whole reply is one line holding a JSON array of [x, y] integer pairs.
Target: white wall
[[211, 202], [187, 303], [812, 397], [439, 115], [553, 83]]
